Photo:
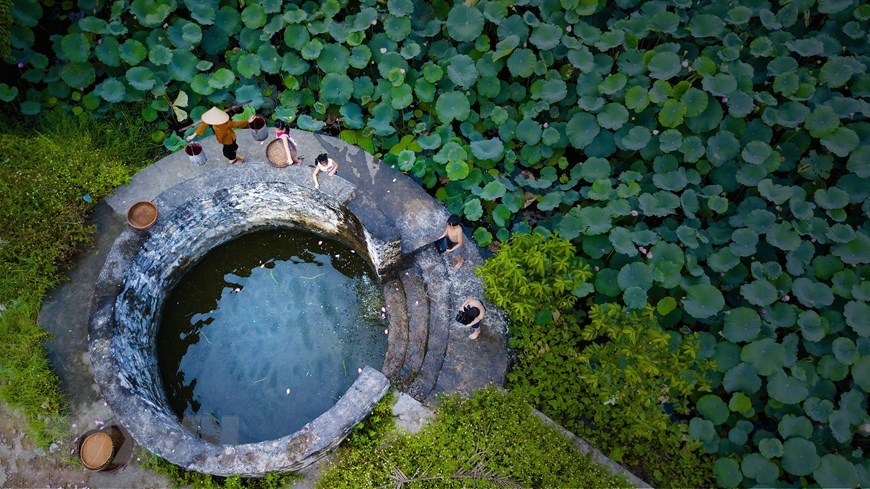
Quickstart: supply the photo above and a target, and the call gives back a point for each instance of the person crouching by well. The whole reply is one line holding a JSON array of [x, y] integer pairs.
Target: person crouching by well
[[471, 314], [223, 127]]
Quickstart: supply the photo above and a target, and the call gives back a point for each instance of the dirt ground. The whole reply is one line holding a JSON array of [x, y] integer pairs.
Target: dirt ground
[[22, 465]]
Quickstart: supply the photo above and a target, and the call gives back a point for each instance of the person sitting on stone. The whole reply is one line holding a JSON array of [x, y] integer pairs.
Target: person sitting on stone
[[282, 132], [323, 163], [471, 314], [223, 127]]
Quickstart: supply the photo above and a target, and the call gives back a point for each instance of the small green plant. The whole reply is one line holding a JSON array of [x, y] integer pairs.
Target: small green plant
[[195, 480], [372, 430], [488, 439]]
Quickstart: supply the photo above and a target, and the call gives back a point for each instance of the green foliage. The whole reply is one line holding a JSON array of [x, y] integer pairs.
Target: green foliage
[[534, 274], [488, 440], [605, 377], [196, 480], [51, 174], [371, 431]]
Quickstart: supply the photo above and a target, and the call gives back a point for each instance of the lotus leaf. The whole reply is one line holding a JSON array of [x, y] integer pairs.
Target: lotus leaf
[[550, 200], [581, 130], [133, 52], [149, 13], [783, 236], [636, 138], [111, 90], [472, 209], [822, 121], [488, 149], [722, 147], [741, 325], [457, 170], [744, 242], [672, 113], [836, 471], [546, 36], [766, 355], [703, 301], [635, 274], [706, 25], [711, 407], [529, 131], [830, 368], [799, 456], [842, 141], [795, 426], [858, 317], [521, 62], [787, 390], [811, 326], [76, 48], [702, 429], [464, 24], [612, 84], [659, 204], [482, 237], [397, 28], [845, 351], [452, 105], [727, 472], [253, 16], [336, 88], [664, 66], [812, 294], [755, 466], [222, 78], [308, 123]]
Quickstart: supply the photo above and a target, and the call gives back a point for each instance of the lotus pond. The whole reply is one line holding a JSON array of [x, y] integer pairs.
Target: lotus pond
[[266, 333]]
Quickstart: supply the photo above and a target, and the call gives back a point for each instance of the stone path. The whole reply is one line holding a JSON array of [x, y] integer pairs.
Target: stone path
[[436, 356]]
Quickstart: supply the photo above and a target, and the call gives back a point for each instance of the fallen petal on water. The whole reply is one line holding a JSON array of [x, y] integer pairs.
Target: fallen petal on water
[[386, 331], [288, 392], [359, 370]]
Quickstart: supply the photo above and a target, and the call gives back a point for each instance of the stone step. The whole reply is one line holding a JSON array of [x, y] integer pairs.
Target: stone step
[[397, 340], [418, 326], [440, 318], [468, 364]]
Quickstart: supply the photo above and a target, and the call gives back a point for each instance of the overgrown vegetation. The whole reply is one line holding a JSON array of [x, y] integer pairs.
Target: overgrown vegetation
[[488, 440], [196, 480], [605, 374], [707, 158], [51, 174], [370, 432]]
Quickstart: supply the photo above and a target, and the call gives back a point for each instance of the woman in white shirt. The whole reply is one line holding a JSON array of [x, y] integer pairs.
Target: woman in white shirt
[[323, 163]]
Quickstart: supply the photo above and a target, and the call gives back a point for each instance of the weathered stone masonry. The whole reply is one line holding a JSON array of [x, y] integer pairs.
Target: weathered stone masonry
[[142, 267]]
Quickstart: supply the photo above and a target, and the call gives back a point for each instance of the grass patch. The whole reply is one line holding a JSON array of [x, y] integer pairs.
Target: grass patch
[[196, 480], [489, 440], [52, 174]]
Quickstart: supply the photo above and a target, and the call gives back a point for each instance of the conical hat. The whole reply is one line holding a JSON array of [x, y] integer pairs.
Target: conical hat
[[215, 116]]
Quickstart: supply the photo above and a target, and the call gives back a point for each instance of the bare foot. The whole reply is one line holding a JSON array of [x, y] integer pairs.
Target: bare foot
[[458, 263], [240, 159], [473, 336]]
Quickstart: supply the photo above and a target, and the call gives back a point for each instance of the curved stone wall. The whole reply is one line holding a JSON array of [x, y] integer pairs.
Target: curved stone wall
[[196, 216]]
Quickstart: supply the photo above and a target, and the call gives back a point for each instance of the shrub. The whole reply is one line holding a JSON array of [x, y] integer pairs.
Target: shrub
[[607, 377], [489, 438]]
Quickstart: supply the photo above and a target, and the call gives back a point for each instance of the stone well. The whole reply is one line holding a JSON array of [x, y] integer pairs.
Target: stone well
[[143, 266]]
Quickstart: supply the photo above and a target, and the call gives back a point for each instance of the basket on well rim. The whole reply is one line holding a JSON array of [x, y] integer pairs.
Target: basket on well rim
[[142, 215], [276, 154]]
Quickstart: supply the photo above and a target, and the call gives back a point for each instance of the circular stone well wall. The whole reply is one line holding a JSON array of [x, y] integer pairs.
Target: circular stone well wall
[[142, 267]]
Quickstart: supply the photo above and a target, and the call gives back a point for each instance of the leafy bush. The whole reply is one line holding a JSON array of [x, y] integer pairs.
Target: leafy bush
[[488, 439], [196, 480], [606, 377], [46, 172]]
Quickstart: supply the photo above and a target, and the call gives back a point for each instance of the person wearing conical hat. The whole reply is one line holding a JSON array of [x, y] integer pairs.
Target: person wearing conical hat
[[223, 127]]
